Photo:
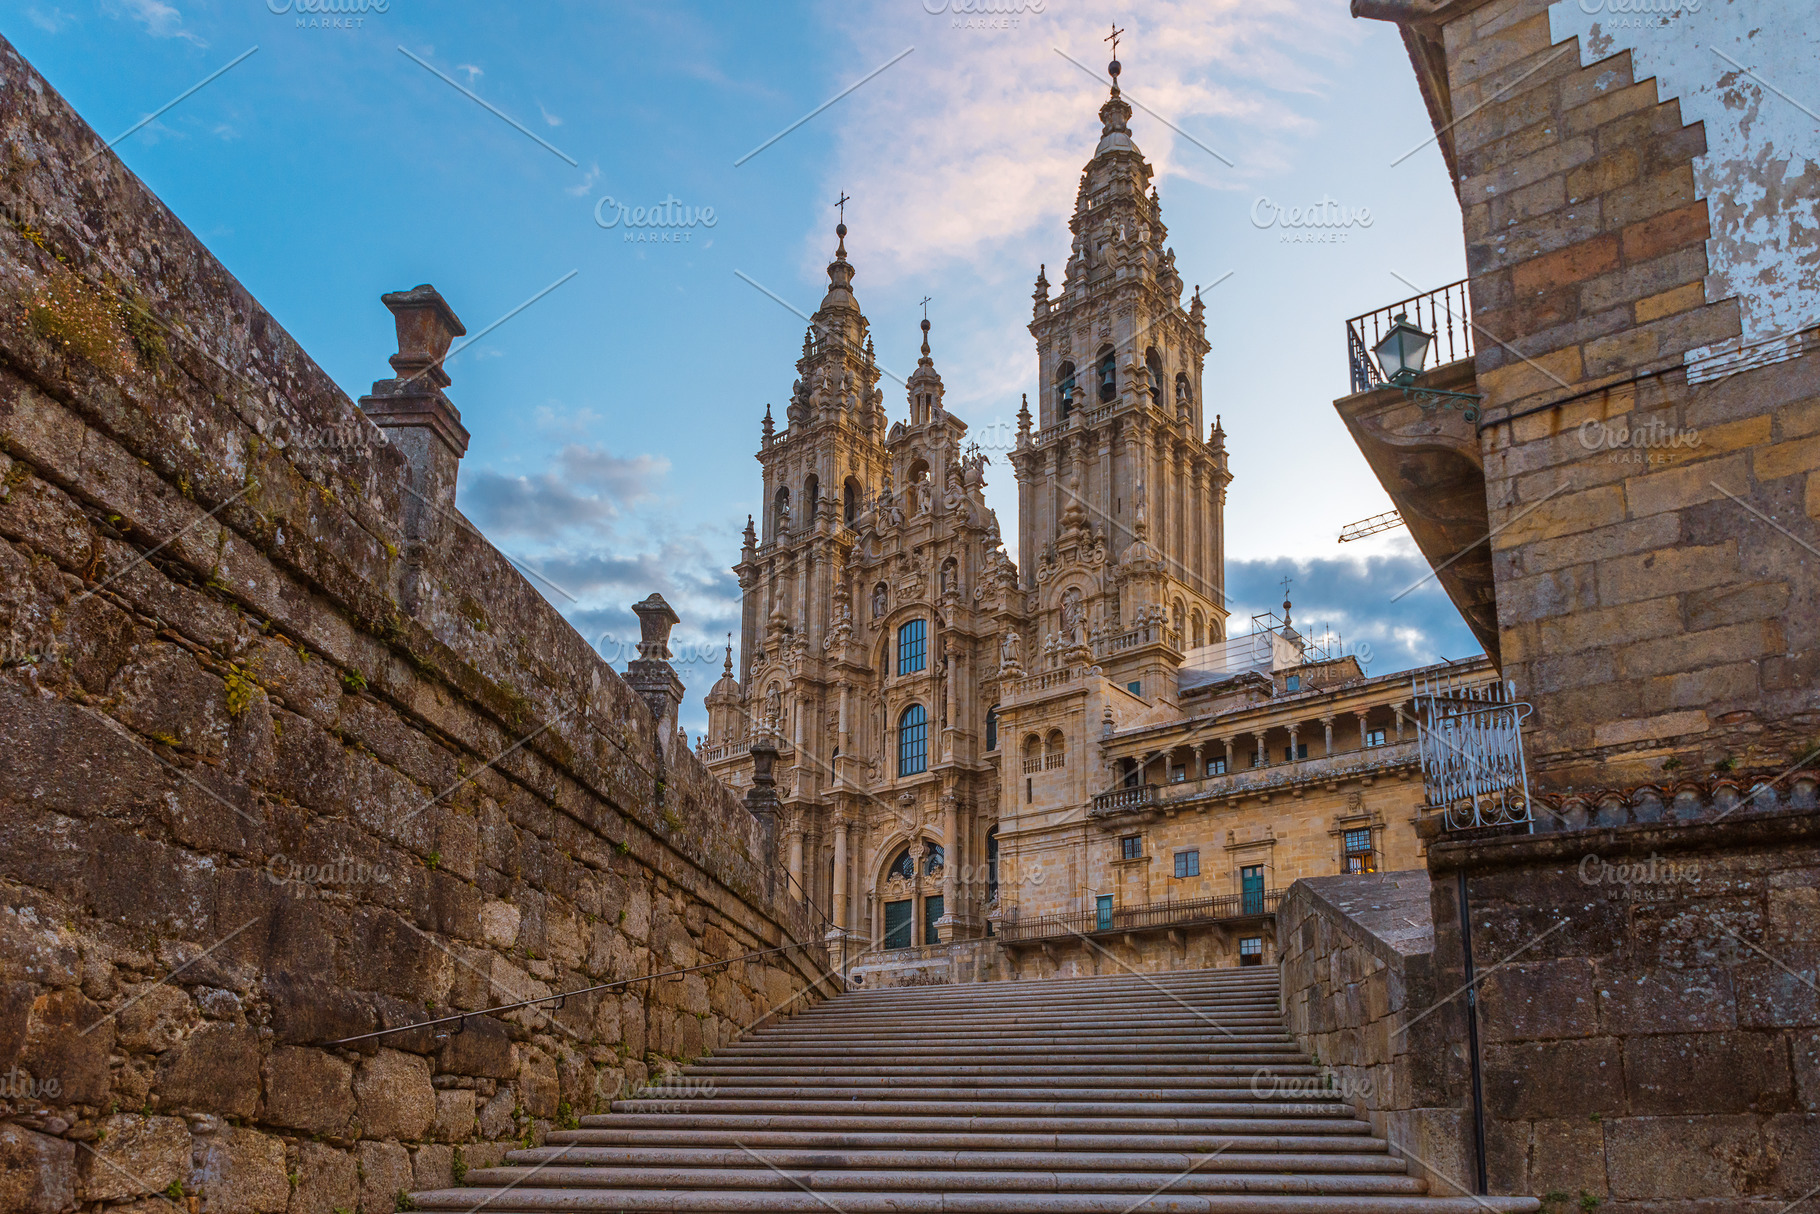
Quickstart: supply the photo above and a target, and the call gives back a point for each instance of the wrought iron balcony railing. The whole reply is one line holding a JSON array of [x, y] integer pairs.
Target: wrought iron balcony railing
[[1445, 312]]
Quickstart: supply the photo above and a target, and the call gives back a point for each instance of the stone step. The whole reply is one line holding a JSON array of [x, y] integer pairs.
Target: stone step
[[617, 1132], [755, 1175], [528, 1200], [575, 1154], [997, 1102], [1068, 1086], [759, 1070], [1032, 1119]]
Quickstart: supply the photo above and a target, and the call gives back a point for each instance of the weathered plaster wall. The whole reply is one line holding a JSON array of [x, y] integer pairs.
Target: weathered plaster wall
[[279, 770], [1739, 67]]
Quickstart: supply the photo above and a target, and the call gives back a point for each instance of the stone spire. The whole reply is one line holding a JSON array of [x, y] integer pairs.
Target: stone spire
[[924, 387]]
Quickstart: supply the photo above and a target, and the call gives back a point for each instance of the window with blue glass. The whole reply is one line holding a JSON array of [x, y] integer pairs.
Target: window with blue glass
[[912, 647], [913, 741], [1188, 863], [1131, 847]]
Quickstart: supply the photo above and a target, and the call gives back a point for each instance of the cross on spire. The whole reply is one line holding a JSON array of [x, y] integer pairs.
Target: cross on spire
[[925, 303], [1113, 38], [842, 202], [1286, 582]]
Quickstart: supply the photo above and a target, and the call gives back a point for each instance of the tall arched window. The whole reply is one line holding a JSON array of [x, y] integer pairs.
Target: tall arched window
[[992, 863], [849, 507], [912, 646], [780, 512], [1064, 391], [1153, 363], [1109, 374], [992, 728], [812, 497], [913, 741]]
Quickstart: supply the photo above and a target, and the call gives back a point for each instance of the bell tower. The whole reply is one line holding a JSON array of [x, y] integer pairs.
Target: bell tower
[[1121, 488]]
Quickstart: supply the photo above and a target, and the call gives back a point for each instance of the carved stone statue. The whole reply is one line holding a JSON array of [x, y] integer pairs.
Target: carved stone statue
[[1010, 652], [1073, 615], [878, 600]]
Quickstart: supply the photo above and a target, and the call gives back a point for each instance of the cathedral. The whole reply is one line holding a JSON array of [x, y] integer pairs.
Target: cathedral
[[949, 723]]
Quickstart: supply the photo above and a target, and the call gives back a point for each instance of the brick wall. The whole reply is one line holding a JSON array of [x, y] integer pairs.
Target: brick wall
[[251, 804], [1659, 602], [1649, 1024]]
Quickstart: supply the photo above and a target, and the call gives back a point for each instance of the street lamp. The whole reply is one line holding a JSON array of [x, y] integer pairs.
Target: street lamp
[[1400, 357]]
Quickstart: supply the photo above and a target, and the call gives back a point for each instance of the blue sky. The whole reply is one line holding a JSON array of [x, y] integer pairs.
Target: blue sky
[[614, 419]]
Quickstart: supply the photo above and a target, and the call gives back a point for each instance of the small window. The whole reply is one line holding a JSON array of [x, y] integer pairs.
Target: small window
[[1135, 687], [1298, 751], [1359, 858], [1188, 863], [992, 728], [991, 864], [1131, 847], [1292, 682], [912, 741], [1251, 950], [1374, 737], [1216, 767], [1102, 913], [1177, 775], [912, 646]]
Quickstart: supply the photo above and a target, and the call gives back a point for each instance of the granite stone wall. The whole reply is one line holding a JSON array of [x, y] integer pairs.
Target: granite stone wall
[[288, 759], [1359, 993]]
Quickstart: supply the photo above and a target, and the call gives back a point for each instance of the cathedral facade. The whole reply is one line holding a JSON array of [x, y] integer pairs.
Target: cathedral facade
[[965, 743]]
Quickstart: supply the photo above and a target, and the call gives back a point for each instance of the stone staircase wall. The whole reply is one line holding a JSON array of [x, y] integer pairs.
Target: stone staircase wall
[[279, 768], [1356, 958]]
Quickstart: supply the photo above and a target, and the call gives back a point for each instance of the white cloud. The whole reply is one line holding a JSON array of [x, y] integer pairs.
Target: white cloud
[[50, 22], [585, 186], [548, 117], [160, 20], [473, 72], [1001, 124]]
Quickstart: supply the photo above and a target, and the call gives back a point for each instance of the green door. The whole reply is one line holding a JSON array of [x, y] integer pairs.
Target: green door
[[932, 910], [1251, 879], [1102, 913], [897, 924]]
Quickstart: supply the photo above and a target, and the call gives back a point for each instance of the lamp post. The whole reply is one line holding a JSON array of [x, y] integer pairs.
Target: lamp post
[[1401, 355]]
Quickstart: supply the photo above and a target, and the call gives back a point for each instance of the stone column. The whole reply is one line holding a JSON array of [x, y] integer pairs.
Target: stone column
[[839, 897], [651, 674], [1362, 724], [1294, 727], [1327, 724], [1398, 709], [1230, 768], [1263, 754], [795, 836], [951, 850], [1200, 767]]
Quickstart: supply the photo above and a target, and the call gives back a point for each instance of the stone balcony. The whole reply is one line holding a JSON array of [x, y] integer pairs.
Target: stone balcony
[[1150, 800]]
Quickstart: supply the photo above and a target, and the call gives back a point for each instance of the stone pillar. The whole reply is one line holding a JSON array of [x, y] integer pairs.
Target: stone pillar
[[1398, 709], [650, 674], [419, 422], [761, 800], [795, 836], [951, 857], [1363, 716], [1229, 764], [1263, 755], [839, 895], [1200, 767], [1294, 727]]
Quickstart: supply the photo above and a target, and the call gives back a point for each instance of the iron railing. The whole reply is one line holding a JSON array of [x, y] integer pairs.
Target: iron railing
[[1256, 904], [1445, 312], [1471, 742]]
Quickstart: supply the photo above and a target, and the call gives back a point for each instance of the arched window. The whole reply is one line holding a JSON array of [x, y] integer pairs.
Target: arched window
[[913, 741], [849, 507], [1184, 392], [1194, 624], [1064, 391], [992, 728], [812, 498], [901, 866], [1153, 363], [912, 647], [992, 863], [1179, 618], [1109, 374], [780, 512], [1055, 750]]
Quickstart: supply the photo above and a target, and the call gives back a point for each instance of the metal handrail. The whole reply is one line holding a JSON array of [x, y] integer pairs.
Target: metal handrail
[[1445, 313], [586, 990]]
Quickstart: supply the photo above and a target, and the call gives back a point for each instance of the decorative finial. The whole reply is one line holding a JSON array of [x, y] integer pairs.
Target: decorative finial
[[728, 670], [1112, 69], [925, 329], [1286, 582], [840, 229]]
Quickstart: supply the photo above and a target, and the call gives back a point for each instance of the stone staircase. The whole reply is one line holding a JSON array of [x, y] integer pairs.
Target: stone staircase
[[1177, 1092]]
